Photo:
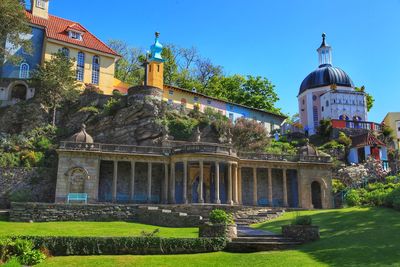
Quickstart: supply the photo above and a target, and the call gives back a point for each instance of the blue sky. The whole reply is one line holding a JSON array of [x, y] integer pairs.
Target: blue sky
[[275, 39]]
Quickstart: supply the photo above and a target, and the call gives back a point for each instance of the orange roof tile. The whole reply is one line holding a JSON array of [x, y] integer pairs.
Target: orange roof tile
[[56, 29]]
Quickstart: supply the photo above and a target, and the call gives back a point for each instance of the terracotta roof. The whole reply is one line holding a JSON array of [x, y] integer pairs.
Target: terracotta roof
[[57, 29], [367, 139], [166, 86]]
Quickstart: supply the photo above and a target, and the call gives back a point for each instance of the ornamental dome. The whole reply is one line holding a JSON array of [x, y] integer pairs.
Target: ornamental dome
[[326, 75], [82, 136]]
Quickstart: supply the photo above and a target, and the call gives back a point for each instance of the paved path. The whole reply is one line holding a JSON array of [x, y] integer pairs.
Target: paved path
[[247, 230]]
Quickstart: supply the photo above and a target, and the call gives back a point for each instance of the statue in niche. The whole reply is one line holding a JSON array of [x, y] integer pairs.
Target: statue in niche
[[198, 135], [77, 177]]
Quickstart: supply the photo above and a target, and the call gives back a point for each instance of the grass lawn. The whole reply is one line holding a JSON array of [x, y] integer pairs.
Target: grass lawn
[[349, 237], [89, 229]]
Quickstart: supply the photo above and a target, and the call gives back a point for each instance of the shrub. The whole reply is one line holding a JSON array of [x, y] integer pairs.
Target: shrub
[[90, 88], [353, 198], [43, 143], [278, 147], [9, 159], [393, 199], [20, 250], [392, 179], [344, 139], [112, 106], [89, 109], [31, 158], [333, 144], [376, 197], [218, 216], [21, 195], [302, 220], [182, 128], [249, 135], [337, 186], [65, 246]]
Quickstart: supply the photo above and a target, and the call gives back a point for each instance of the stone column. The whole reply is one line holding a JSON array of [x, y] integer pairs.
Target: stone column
[[114, 183], [270, 187], [165, 184], [240, 185], [201, 199], [185, 174], [300, 188], [285, 197], [132, 189], [229, 200], [172, 183], [235, 184], [217, 200], [255, 198], [149, 169]]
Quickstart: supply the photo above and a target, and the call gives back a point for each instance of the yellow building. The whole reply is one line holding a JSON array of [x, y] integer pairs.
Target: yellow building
[[95, 61], [392, 119]]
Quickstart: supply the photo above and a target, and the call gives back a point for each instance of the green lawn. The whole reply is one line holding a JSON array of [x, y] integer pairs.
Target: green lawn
[[349, 237], [89, 229]]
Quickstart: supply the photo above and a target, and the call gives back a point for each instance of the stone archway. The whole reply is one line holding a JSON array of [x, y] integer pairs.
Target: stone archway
[[76, 180], [19, 91], [316, 195]]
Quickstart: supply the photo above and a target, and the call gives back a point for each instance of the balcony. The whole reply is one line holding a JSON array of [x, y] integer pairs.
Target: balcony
[[204, 148], [365, 125]]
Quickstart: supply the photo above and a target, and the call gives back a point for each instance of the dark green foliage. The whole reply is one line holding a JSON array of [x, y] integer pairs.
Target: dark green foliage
[[344, 139], [353, 198], [181, 127], [325, 128], [9, 160], [278, 147], [333, 144], [393, 199], [337, 186], [64, 246], [21, 250], [91, 109], [218, 216], [302, 220], [21, 195], [112, 106]]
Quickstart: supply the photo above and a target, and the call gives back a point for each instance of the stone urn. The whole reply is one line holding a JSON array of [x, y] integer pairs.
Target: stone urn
[[218, 230], [301, 233]]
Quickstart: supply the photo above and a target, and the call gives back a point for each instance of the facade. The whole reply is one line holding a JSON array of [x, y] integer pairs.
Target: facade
[[392, 120], [191, 173], [328, 93], [95, 61], [190, 99]]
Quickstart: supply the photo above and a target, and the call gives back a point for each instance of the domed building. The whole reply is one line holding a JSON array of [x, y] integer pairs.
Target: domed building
[[328, 93]]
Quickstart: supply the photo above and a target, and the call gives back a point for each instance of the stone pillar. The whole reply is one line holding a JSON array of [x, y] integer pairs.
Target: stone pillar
[[270, 187], [185, 176], [285, 197], [172, 183], [149, 169], [255, 198], [300, 188], [217, 200], [235, 184], [132, 189], [114, 183], [201, 199], [240, 185], [165, 184], [229, 200]]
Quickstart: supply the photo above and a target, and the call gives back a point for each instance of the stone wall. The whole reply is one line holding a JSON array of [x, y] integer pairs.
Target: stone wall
[[26, 185]]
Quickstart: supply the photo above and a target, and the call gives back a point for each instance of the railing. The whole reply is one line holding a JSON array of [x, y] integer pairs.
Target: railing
[[203, 148], [190, 148], [366, 125]]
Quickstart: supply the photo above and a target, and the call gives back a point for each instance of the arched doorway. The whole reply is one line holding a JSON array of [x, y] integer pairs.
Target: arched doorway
[[77, 178], [196, 190], [316, 195], [18, 92]]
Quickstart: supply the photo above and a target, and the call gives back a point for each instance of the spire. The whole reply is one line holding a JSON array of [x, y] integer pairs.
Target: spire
[[156, 49], [324, 53]]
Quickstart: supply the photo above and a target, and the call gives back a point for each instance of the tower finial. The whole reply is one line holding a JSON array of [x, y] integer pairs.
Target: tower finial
[[323, 39], [324, 52], [157, 34]]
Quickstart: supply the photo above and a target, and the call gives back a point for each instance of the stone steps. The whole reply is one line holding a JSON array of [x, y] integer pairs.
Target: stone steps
[[260, 243]]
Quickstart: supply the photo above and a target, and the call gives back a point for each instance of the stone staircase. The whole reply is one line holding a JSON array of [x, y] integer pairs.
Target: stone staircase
[[252, 240]]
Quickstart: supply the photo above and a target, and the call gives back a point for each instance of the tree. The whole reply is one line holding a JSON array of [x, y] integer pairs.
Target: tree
[[169, 54], [129, 67], [56, 82], [370, 98], [13, 30], [249, 135]]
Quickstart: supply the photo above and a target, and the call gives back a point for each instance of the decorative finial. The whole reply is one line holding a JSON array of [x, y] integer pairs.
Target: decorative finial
[[157, 34], [83, 127], [323, 39]]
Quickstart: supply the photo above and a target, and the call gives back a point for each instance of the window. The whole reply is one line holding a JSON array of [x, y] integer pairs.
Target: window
[[327, 103], [208, 102], [40, 3], [303, 101], [171, 92], [158, 68], [80, 67], [75, 35], [231, 117], [24, 71], [314, 97], [315, 116], [196, 98], [96, 70], [65, 51], [322, 108]]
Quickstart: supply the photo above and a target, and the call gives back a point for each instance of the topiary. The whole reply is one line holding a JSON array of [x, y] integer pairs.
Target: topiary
[[218, 216]]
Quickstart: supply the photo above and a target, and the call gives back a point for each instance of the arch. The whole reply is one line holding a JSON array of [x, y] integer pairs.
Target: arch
[[357, 118], [24, 71], [316, 195], [80, 66], [77, 177], [19, 91], [95, 70], [344, 117]]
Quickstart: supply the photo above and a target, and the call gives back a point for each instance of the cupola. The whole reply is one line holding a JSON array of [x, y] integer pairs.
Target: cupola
[[82, 136], [324, 53], [154, 66], [40, 8]]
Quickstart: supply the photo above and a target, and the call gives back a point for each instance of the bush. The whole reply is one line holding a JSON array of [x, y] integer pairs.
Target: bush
[[353, 198], [278, 147], [344, 139], [392, 179], [9, 159], [89, 109], [218, 216], [182, 128], [31, 158], [302, 220], [21, 195], [112, 106], [90, 89], [337, 186], [20, 250], [393, 199], [65, 246], [43, 143]]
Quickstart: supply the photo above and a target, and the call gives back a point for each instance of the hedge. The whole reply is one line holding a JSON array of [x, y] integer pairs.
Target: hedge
[[65, 246]]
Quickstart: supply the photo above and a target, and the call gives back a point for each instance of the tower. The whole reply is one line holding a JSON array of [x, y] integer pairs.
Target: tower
[[40, 8], [324, 53], [155, 65]]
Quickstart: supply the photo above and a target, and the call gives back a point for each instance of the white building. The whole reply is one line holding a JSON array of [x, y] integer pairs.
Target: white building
[[328, 93]]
